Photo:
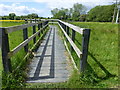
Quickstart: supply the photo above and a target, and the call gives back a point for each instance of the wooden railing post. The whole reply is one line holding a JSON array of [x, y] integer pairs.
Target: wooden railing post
[[5, 49], [39, 29], [25, 36], [85, 44], [67, 30], [73, 38], [34, 31]]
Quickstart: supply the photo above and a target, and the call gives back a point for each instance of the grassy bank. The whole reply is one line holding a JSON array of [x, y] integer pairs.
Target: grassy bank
[[17, 78], [102, 68], [103, 52]]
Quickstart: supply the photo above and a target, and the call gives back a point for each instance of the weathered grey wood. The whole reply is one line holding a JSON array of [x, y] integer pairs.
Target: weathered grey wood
[[67, 30], [73, 38], [53, 22], [34, 31], [25, 36], [73, 61], [20, 27], [76, 28], [39, 29], [5, 49], [16, 49], [53, 67], [85, 44], [78, 52]]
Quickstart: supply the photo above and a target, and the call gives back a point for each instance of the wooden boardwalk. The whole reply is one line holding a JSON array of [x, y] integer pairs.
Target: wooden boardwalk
[[50, 62]]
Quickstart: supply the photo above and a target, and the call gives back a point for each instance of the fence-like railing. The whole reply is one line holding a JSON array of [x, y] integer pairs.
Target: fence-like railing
[[65, 27], [82, 54], [6, 52]]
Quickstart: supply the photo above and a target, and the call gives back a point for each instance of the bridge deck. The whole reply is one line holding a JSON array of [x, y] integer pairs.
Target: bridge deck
[[50, 62]]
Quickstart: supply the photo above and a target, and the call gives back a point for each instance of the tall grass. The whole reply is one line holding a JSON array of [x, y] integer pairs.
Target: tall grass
[[17, 78], [102, 68], [103, 52]]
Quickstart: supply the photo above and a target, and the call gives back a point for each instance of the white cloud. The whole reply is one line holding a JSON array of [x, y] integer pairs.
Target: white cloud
[[69, 3], [17, 9]]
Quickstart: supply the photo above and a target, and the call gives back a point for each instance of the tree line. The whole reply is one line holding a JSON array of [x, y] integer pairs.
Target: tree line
[[69, 14], [13, 16], [79, 13]]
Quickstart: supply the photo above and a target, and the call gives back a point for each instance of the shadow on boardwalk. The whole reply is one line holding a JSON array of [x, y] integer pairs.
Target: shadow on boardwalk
[[49, 64]]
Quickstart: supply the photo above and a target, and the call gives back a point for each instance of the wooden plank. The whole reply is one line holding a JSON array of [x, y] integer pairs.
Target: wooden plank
[[5, 49], [67, 30], [34, 31], [39, 29], [73, 61], [73, 38], [25, 36], [16, 49], [83, 61], [53, 22], [78, 52], [20, 27], [76, 28]]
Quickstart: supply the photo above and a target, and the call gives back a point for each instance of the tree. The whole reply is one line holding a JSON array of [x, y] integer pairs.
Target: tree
[[78, 9], [17, 18], [33, 15], [82, 17], [12, 16], [101, 13], [68, 14], [54, 11]]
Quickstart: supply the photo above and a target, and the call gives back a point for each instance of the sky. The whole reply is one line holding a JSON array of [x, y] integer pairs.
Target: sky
[[43, 7]]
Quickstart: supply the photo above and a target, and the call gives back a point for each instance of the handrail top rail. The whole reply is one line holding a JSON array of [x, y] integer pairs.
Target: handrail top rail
[[19, 27], [75, 28]]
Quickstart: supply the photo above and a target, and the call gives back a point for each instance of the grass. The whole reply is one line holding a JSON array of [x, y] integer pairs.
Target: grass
[[103, 52], [102, 68], [17, 78]]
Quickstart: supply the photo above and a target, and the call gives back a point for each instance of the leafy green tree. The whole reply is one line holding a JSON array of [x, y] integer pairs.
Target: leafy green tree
[[12, 16], [17, 17], [82, 17], [33, 15], [101, 13], [78, 9], [68, 14], [54, 11]]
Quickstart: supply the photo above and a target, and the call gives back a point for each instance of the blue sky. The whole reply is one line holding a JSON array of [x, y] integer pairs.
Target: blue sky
[[43, 7]]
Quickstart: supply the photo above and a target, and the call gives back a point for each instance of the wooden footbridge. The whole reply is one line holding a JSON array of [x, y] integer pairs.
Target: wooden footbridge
[[50, 60]]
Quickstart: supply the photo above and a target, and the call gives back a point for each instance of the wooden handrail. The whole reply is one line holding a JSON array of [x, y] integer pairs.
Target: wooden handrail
[[21, 45], [78, 52], [75, 28], [16, 28], [85, 40], [6, 53]]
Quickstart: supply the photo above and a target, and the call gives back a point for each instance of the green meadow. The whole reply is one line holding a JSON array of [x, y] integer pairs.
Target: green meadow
[[102, 68], [102, 53], [17, 78]]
